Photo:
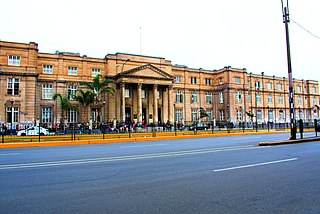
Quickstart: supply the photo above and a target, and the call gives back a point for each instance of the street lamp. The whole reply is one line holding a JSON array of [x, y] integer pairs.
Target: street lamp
[[256, 88], [174, 117], [228, 119], [12, 115], [122, 114], [268, 118], [286, 20]]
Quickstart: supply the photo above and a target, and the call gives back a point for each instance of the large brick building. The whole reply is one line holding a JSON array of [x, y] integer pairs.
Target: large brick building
[[149, 89]]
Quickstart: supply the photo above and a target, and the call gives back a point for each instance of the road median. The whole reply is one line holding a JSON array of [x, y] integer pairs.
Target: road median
[[288, 141]]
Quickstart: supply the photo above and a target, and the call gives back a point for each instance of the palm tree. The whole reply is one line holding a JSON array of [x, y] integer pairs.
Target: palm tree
[[65, 105], [97, 87], [85, 99]]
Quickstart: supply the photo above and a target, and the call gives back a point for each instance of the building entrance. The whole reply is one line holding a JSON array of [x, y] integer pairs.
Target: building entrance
[[144, 113], [127, 115], [159, 115]]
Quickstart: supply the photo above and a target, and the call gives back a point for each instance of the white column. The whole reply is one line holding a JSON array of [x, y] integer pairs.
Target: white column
[[139, 116], [170, 104], [155, 103], [123, 104]]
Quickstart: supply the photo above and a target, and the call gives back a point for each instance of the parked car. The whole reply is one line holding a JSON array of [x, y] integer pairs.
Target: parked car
[[33, 131]]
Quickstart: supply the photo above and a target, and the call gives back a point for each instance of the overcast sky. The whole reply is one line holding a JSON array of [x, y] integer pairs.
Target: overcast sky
[[208, 34]]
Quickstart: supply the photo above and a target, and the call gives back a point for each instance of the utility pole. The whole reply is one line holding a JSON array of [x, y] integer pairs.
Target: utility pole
[[286, 20]]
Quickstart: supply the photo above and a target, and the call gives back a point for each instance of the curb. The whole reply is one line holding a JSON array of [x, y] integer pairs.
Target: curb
[[282, 142]]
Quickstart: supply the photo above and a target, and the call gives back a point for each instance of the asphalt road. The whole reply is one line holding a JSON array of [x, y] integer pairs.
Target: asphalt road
[[210, 175]]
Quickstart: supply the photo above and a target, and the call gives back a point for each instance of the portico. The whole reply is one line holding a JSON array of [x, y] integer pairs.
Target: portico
[[145, 95]]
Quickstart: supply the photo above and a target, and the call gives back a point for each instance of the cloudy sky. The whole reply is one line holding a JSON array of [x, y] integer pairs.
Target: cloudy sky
[[208, 34]]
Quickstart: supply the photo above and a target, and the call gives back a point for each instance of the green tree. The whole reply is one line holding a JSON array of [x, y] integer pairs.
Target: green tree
[[203, 113], [250, 114], [85, 99], [98, 87], [65, 105]]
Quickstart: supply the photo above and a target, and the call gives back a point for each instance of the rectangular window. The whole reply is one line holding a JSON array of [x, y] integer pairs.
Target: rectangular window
[[143, 94], [280, 99], [259, 115], [46, 115], [209, 117], [269, 98], [72, 116], [239, 114], [47, 91], [237, 80], [13, 86], [299, 100], [194, 114], [249, 98], [238, 97], [314, 89], [208, 81], [314, 101], [209, 97], [220, 97], [221, 114], [178, 78], [300, 114], [179, 97], [126, 93], [258, 85], [281, 115], [95, 72], [298, 88], [270, 115], [72, 92], [178, 115], [258, 98], [13, 60], [315, 114], [12, 118], [194, 97], [193, 80], [269, 86], [47, 69], [220, 81], [158, 94], [72, 71], [279, 86]]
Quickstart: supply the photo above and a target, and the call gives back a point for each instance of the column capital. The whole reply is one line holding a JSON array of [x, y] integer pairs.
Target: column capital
[[155, 86], [139, 85]]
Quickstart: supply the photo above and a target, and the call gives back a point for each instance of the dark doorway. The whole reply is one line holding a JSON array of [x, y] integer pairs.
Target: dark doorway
[[144, 113], [128, 114], [159, 115]]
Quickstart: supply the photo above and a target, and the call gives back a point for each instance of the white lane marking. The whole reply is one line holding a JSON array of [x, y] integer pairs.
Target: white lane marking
[[125, 147], [254, 165], [5, 154], [125, 158], [249, 138]]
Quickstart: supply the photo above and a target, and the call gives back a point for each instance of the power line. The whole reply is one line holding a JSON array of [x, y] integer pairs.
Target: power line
[[305, 29]]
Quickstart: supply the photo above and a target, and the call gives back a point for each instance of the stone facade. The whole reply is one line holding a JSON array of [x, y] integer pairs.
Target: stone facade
[[148, 89]]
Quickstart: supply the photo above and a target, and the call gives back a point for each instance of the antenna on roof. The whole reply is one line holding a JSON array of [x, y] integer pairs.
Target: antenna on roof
[[140, 41]]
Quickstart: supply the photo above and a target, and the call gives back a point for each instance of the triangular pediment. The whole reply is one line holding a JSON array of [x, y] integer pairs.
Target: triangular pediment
[[145, 71]]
